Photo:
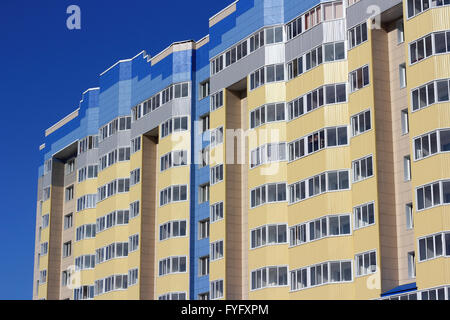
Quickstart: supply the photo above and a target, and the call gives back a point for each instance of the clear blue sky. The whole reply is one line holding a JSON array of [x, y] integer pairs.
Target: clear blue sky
[[44, 68]]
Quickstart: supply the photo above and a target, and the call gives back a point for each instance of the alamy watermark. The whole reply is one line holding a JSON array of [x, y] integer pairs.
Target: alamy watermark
[[73, 21]]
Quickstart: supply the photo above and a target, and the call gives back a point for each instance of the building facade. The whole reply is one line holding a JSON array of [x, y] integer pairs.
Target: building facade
[[298, 151]]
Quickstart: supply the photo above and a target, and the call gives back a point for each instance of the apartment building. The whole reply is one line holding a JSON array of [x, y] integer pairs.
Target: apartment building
[[298, 151]]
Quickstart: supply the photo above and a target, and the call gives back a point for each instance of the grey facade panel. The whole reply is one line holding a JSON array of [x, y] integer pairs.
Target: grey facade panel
[[304, 42], [119, 139], [335, 30], [40, 189], [238, 71], [46, 180], [70, 178], [330, 31], [364, 9], [176, 107], [89, 157]]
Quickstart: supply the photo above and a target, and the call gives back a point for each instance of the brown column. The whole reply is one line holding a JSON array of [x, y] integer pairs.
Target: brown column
[[148, 216]]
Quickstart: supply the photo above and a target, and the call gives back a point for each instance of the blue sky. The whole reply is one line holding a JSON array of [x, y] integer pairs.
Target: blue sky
[[44, 69]]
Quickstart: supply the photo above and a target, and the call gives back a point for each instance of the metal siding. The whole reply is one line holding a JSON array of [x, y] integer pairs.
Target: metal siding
[[359, 12]]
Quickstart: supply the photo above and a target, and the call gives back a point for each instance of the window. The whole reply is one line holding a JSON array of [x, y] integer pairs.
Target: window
[[42, 276], [115, 218], [407, 168], [361, 123], [83, 293], [426, 145], [175, 91], [357, 35], [266, 114], [364, 215], [45, 221], [173, 296], [135, 145], [135, 177], [133, 275], [204, 89], [134, 209], [65, 278], [174, 159], [321, 274], [267, 74], [272, 152], [330, 94], [172, 229], [216, 65], [409, 216], [88, 201], [216, 250], [405, 121], [172, 265], [88, 143], [44, 249], [133, 243], [68, 221], [366, 263], [203, 266], [216, 137], [70, 166], [268, 235], [216, 174], [433, 194], [274, 35], [69, 193], [203, 229], [269, 277], [204, 157], [176, 124], [402, 75], [400, 31], [203, 194], [269, 193], [67, 249], [434, 294], [216, 289], [328, 226], [173, 194], [47, 166], [112, 188], [411, 265], [119, 124], [257, 41], [322, 183], [416, 7], [216, 100], [88, 172], [429, 94], [46, 194], [421, 49], [204, 123], [323, 12], [431, 143], [362, 169], [434, 246], [203, 296], [86, 231], [112, 251], [216, 212], [359, 78], [124, 154], [312, 143]]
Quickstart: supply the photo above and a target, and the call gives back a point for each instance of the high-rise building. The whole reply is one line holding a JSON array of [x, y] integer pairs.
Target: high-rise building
[[298, 151]]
